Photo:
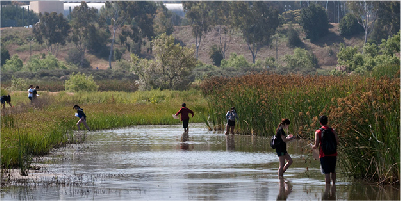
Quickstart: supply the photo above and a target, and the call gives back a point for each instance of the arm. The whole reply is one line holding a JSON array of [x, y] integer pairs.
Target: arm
[[179, 112], [286, 139], [316, 145], [192, 112]]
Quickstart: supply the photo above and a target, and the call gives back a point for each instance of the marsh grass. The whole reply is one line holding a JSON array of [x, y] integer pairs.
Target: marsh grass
[[34, 129], [364, 111]]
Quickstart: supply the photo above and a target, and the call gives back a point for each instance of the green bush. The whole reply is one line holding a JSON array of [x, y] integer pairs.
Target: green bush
[[349, 25], [50, 62], [14, 64], [235, 61], [5, 55], [80, 82], [301, 60], [390, 71]]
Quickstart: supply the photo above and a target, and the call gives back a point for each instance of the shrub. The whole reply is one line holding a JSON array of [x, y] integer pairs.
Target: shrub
[[235, 61], [49, 62], [216, 55], [14, 64], [5, 55], [80, 82], [76, 57], [302, 61], [293, 38], [349, 25]]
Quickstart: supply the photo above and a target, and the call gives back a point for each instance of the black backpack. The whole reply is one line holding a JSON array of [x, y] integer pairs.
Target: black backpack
[[329, 144], [274, 142]]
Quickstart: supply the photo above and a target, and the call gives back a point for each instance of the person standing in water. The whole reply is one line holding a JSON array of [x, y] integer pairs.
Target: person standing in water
[[327, 159], [184, 111], [281, 148], [231, 116]]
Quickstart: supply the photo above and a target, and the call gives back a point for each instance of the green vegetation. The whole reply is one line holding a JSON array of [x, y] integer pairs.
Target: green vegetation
[[35, 129], [364, 111], [79, 82]]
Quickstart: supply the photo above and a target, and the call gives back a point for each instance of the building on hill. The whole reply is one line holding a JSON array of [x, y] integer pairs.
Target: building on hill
[[47, 6]]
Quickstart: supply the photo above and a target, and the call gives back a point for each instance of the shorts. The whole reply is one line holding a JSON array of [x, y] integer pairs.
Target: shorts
[[185, 123], [30, 98], [328, 164], [280, 153], [231, 123], [3, 101]]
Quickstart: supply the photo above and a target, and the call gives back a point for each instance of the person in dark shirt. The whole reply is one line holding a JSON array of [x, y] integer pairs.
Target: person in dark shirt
[[184, 111], [4, 100], [82, 117], [281, 148]]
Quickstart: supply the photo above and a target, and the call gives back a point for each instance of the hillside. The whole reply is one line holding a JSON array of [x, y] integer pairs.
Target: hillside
[[325, 49]]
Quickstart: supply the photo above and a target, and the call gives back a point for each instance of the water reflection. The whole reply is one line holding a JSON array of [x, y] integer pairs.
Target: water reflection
[[329, 192], [230, 143], [285, 188]]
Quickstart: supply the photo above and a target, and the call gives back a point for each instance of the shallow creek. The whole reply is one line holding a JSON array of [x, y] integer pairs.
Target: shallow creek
[[162, 163]]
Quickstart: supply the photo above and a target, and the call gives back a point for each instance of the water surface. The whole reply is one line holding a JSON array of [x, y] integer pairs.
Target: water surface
[[162, 163]]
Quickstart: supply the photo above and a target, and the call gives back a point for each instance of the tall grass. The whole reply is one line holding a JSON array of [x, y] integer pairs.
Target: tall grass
[[35, 129], [364, 111]]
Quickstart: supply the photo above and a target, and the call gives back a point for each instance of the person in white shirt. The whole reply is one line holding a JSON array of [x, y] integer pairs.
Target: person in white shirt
[[30, 92]]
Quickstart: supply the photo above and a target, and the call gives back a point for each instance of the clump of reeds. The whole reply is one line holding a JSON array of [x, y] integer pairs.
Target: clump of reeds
[[364, 111]]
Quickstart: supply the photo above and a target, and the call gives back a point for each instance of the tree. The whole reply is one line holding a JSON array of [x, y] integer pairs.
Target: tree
[[50, 62], [14, 15], [5, 55], [139, 14], [314, 22], [198, 14], [257, 22], [83, 21], [80, 82], [162, 22], [171, 67], [388, 20], [366, 14], [349, 25], [14, 64], [52, 30]]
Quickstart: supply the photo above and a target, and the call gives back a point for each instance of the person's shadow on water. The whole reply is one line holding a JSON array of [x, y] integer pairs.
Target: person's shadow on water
[[230, 143], [329, 192], [285, 188]]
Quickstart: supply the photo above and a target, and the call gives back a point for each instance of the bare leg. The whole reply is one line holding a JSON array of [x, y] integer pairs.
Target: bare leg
[[281, 163], [227, 129], [327, 178], [333, 178], [289, 162], [232, 129]]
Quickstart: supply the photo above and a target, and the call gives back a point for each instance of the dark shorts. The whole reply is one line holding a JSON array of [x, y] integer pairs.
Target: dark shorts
[[3, 101], [231, 123], [30, 98], [281, 153], [185, 123], [328, 164]]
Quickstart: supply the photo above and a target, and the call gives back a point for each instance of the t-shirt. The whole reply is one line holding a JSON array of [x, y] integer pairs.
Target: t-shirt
[[30, 92], [184, 113], [321, 154], [282, 146]]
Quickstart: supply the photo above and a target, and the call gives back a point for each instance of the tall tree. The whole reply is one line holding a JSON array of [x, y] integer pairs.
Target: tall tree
[[257, 22], [221, 16], [52, 29], [83, 20], [314, 22], [388, 20], [163, 22], [198, 14], [366, 13], [138, 14]]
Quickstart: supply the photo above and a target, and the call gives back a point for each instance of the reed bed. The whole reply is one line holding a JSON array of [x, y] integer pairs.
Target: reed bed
[[365, 112], [28, 130]]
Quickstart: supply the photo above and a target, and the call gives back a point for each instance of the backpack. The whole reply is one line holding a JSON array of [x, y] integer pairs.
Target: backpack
[[328, 143], [274, 142]]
